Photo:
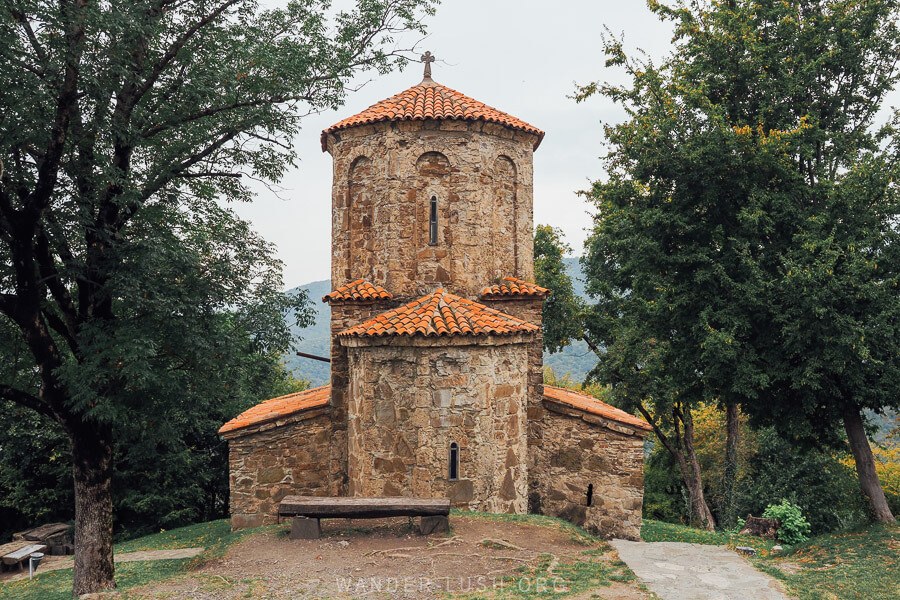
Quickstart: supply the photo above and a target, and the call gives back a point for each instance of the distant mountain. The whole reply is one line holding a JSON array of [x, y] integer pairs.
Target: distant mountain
[[315, 339], [575, 360]]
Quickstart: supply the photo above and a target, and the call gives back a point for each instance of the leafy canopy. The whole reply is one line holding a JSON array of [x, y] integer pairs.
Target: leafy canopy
[[745, 241]]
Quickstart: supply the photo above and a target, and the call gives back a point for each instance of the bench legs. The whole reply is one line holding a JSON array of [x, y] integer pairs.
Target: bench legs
[[437, 524], [303, 528]]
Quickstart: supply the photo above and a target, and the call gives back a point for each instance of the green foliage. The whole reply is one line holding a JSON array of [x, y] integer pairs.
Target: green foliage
[[665, 497], [145, 309], [794, 527], [562, 308], [745, 247], [816, 479], [813, 478], [657, 531]]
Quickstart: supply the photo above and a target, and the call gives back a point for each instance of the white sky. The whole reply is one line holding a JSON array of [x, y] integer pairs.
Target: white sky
[[522, 57]]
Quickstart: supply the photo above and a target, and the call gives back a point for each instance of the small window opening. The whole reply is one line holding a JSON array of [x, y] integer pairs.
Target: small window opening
[[590, 494], [432, 222], [454, 461]]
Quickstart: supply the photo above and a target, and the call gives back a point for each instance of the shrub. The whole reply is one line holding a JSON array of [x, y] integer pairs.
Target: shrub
[[794, 527]]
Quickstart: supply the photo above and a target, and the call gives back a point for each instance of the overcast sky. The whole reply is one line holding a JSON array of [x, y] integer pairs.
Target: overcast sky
[[522, 57]]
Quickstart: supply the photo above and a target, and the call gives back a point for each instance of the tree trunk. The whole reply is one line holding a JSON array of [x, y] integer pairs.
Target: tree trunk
[[92, 455], [688, 465], [695, 485], [732, 438], [865, 464]]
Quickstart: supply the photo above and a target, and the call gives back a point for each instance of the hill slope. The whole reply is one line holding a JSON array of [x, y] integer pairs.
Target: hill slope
[[575, 360]]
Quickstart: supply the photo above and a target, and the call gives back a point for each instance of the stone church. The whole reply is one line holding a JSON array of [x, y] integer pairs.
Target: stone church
[[436, 354]]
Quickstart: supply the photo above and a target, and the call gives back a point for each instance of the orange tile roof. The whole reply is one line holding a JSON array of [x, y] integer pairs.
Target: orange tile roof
[[358, 291], [430, 100], [280, 407], [510, 286], [438, 314], [592, 405]]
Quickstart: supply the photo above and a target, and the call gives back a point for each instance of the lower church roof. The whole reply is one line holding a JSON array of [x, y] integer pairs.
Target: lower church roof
[[286, 406], [441, 313], [277, 408], [589, 404]]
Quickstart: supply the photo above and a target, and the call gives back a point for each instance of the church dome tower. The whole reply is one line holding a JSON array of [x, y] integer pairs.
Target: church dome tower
[[432, 189]]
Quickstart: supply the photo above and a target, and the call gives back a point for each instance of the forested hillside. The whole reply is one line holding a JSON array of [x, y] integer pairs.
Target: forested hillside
[[576, 360]]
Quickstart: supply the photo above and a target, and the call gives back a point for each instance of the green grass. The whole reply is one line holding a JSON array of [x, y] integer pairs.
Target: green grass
[[215, 536], [860, 564], [592, 571], [657, 531]]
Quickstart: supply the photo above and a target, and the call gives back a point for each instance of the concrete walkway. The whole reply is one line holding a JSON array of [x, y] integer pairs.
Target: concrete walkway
[[54, 563], [679, 571]]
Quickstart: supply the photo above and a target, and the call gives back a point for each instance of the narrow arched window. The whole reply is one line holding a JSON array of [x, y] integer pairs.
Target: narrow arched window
[[432, 222], [590, 494], [454, 461]]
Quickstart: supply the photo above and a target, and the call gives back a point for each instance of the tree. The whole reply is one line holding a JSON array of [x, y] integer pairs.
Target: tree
[[748, 227], [562, 308], [123, 125]]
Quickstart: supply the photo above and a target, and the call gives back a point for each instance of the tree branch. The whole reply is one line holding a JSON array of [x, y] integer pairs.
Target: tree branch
[[66, 100], [176, 47], [25, 399]]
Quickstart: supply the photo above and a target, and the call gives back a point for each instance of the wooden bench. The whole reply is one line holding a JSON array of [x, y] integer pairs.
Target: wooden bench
[[308, 510], [18, 556]]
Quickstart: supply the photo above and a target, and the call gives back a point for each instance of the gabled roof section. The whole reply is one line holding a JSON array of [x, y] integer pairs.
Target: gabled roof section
[[589, 404], [440, 314], [512, 287], [430, 100], [278, 408], [358, 291]]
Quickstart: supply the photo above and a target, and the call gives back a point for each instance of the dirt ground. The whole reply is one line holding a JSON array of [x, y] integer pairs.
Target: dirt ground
[[387, 558]]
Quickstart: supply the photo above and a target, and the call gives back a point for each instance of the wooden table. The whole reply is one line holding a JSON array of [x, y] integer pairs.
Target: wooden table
[[307, 511]]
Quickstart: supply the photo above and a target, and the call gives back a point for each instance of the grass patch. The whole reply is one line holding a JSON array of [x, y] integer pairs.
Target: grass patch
[[215, 536], [589, 573], [592, 571], [657, 531], [861, 563]]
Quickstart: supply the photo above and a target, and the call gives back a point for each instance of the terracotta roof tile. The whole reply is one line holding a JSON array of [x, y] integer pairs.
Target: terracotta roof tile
[[592, 405], [440, 313], [430, 100], [510, 286], [280, 407], [358, 291]]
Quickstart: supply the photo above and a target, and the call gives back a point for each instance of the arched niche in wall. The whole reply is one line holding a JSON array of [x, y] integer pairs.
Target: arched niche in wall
[[432, 165], [505, 218], [360, 210]]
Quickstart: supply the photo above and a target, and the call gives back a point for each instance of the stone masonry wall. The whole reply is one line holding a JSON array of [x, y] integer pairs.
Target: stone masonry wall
[[343, 316], [575, 453], [407, 403], [274, 460], [529, 309], [385, 175]]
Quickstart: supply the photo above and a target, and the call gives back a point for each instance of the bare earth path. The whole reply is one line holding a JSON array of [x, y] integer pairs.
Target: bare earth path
[[680, 571], [383, 559]]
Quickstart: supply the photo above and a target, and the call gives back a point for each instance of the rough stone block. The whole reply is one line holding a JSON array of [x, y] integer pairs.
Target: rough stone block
[[245, 521], [303, 528], [436, 524]]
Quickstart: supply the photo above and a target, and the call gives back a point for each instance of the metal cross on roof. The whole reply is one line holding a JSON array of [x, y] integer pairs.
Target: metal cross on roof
[[427, 58]]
